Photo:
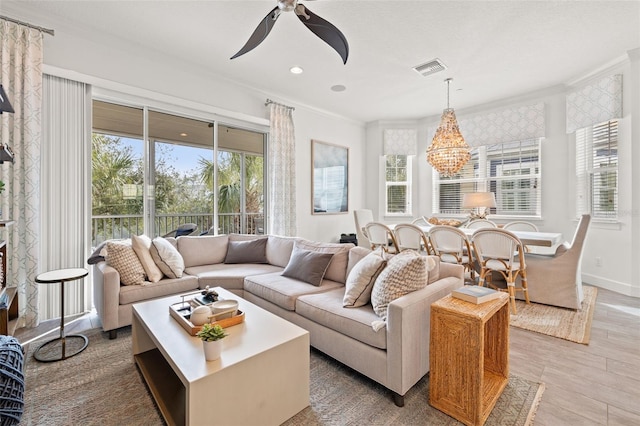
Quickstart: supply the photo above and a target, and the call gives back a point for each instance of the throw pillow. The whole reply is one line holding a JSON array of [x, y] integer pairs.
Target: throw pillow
[[338, 268], [308, 266], [167, 257], [406, 272], [249, 251], [361, 279], [141, 245], [123, 259]]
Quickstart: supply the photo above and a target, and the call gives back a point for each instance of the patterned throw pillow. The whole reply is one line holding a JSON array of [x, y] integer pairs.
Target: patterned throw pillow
[[123, 259], [406, 272], [361, 279]]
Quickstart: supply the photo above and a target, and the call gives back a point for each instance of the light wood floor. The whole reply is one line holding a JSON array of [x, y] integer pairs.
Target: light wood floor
[[595, 384]]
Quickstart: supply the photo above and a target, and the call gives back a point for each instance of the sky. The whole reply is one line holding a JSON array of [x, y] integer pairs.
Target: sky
[[186, 157]]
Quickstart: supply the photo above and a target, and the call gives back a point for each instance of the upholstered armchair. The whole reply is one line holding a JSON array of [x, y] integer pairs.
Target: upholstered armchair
[[362, 217], [556, 280]]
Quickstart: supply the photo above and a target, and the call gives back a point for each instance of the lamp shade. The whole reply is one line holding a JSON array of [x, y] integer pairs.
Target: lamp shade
[[5, 105], [473, 200]]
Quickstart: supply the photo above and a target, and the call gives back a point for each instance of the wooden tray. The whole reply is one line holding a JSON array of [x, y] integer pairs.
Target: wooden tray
[[177, 313]]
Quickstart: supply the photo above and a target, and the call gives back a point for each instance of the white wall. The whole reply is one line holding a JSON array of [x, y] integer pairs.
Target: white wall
[[616, 245], [120, 67]]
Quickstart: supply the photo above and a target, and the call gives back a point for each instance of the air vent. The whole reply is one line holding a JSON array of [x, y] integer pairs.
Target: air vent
[[431, 67]]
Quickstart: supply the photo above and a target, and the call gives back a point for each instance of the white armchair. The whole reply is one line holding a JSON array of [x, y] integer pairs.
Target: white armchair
[[557, 280], [362, 217]]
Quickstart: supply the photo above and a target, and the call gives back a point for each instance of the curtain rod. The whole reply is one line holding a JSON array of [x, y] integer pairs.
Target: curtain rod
[[269, 101], [26, 24]]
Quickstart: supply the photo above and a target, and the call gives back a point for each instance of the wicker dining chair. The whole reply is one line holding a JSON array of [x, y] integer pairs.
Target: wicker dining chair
[[451, 245], [499, 250], [481, 223], [380, 235], [411, 237], [520, 225]]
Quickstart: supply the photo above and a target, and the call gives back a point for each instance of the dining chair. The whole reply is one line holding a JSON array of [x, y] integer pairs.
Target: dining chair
[[451, 245], [420, 221], [481, 223], [411, 237], [520, 225], [362, 217], [557, 279], [380, 235], [499, 250]]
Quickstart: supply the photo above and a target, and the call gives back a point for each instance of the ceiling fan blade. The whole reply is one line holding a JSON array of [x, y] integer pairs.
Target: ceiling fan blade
[[325, 30], [260, 33]]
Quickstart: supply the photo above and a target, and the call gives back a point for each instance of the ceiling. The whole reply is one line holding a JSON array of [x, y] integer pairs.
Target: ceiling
[[493, 50]]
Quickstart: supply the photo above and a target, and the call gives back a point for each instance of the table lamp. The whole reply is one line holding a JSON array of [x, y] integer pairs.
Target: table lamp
[[477, 200]]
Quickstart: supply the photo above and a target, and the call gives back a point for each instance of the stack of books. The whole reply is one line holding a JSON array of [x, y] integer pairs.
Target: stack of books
[[475, 294]]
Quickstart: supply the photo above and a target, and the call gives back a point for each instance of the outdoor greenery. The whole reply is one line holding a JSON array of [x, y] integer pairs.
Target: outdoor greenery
[[117, 184]]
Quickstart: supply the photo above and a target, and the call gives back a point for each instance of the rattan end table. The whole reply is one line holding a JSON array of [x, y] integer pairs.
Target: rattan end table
[[469, 357]]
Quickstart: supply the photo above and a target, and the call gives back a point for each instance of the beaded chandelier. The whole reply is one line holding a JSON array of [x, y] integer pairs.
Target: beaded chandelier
[[448, 151]]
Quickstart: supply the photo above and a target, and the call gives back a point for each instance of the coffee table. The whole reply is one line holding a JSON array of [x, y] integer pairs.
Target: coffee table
[[261, 378]]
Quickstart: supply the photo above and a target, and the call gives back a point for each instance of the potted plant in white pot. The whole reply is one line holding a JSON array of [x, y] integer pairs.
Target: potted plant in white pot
[[211, 336]]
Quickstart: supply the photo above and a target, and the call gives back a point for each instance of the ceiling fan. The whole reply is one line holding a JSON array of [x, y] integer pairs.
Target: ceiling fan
[[323, 29]]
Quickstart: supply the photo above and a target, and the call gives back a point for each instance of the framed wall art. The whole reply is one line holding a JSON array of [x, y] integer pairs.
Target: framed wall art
[[329, 179]]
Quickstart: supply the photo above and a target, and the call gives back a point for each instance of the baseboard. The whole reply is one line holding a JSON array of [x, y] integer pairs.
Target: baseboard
[[617, 286]]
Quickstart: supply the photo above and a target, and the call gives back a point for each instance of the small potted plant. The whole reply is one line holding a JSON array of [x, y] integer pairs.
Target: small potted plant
[[211, 336]]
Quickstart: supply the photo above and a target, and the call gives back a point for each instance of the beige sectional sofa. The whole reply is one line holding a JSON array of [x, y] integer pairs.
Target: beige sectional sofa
[[396, 355]]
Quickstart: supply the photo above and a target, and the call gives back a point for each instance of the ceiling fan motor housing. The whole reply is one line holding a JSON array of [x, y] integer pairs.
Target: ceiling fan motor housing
[[287, 5]]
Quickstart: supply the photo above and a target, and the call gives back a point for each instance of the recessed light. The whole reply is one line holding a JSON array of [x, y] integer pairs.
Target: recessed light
[[338, 88], [296, 70], [183, 134]]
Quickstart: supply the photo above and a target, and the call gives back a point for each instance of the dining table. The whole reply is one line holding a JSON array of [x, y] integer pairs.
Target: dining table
[[528, 238]]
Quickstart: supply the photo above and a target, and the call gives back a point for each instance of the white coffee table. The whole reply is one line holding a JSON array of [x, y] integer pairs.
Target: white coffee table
[[261, 378]]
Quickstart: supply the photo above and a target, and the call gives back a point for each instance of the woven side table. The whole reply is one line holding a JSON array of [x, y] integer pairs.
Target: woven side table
[[469, 357], [56, 349]]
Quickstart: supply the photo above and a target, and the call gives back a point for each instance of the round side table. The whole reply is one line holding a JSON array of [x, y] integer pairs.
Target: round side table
[[56, 349]]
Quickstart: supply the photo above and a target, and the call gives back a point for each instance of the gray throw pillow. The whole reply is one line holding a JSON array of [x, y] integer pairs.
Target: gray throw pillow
[[250, 251], [308, 266]]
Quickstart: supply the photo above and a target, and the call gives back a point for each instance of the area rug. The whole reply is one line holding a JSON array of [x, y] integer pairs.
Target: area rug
[[567, 324], [102, 386]]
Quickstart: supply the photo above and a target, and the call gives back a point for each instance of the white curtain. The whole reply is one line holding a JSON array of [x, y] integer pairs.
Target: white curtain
[[66, 160], [282, 171], [21, 59]]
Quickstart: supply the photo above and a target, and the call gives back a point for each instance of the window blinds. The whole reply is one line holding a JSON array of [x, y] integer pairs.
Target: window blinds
[[597, 170]]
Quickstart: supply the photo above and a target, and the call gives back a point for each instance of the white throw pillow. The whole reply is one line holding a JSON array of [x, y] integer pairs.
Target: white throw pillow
[[141, 245], [361, 279], [123, 259], [406, 272], [167, 257]]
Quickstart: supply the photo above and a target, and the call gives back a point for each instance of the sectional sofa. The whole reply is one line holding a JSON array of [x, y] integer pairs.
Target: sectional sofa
[[393, 349]]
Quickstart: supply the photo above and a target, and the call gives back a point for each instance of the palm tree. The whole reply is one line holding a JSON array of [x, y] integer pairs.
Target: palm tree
[[230, 182]]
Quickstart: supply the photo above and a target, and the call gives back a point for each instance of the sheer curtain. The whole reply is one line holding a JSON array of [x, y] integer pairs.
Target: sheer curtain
[[282, 171], [65, 194], [21, 59]]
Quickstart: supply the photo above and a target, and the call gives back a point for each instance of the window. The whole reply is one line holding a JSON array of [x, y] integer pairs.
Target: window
[[510, 170], [398, 185], [153, 186], [597, 170]]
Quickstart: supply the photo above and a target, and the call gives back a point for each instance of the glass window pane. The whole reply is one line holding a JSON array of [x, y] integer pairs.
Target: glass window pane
[[116, 179]]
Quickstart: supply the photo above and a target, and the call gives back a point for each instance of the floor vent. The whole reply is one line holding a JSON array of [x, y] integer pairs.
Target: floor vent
[[431, 67]]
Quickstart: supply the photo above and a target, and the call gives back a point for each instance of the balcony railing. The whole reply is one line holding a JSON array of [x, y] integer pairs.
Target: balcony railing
[[123, 226]]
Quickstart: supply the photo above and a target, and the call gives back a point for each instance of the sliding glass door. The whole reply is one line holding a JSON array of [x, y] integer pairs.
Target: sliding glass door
[[156, 180]]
